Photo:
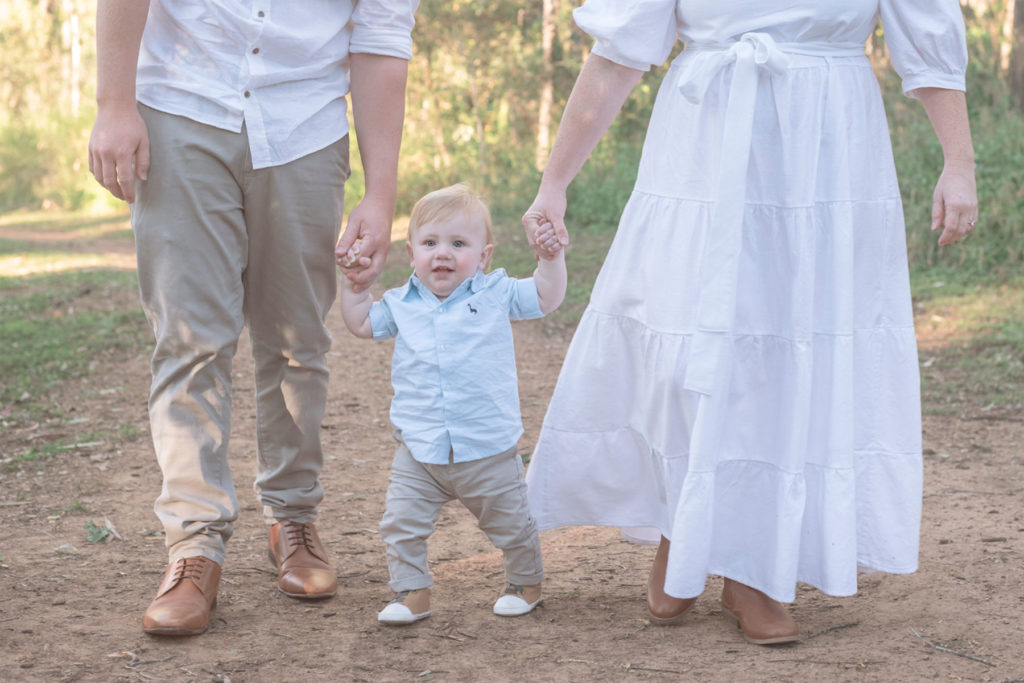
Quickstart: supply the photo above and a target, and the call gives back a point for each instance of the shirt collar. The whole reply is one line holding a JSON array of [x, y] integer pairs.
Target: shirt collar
[[417, 288]]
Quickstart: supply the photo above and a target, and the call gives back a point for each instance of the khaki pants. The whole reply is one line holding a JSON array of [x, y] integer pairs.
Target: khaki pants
[[221, 245], [491, 488]]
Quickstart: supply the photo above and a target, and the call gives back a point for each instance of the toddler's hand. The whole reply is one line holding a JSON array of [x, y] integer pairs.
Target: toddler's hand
[[546, 244], [350, 261]]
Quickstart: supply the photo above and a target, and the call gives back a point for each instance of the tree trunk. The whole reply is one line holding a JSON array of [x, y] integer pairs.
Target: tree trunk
[[1017, 57], [547, 95]]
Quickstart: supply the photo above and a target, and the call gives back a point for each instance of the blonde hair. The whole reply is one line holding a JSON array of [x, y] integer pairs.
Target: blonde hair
[[447, 202]]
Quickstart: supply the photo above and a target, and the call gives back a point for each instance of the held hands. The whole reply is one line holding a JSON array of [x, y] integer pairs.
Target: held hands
[[955, 202], [545, 226], [363, 248]]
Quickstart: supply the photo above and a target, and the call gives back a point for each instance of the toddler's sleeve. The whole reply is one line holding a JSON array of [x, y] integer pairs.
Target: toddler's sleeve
[[633, 33], [382, 321], [926, 40], [523, 301]]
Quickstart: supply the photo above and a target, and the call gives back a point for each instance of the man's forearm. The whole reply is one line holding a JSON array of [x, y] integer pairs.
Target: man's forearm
[[119, 27], [378, 110]]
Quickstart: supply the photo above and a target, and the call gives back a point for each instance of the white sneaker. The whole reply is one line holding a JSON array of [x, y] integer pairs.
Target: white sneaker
[[397, 613], [515, 601]]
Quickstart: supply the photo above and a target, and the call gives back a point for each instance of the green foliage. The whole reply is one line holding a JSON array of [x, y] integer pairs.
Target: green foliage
[[96, 533], [976, 364], [54, 326]]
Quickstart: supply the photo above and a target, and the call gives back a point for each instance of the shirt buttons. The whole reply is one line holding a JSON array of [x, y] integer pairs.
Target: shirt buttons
[[261, 14], [246, 93], [255, 50]]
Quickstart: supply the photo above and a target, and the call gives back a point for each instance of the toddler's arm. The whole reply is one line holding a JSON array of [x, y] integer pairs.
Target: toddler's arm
[[355, 309], [550, 276]]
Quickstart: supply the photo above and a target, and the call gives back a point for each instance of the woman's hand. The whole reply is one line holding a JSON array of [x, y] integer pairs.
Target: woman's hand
[[546, 214], [955, 202]]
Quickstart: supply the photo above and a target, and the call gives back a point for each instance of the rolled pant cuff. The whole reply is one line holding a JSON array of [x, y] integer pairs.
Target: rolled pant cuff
[[413, 583], [191, 548], [299, 516], [524, 579]]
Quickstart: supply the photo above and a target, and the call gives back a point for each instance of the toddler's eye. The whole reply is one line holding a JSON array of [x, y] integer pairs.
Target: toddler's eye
[[459, 243], [429, 243]]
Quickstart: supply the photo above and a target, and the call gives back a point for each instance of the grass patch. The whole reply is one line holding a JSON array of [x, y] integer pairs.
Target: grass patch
[[54, 327], [971, 337]]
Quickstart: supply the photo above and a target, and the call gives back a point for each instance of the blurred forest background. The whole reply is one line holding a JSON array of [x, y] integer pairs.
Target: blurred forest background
[[486, 90]]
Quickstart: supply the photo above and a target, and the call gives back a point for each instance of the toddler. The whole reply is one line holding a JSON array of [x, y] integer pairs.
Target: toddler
[[456, 405]]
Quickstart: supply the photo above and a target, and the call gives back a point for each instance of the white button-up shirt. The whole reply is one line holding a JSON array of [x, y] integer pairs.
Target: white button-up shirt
[[280, 67], [454, 365]]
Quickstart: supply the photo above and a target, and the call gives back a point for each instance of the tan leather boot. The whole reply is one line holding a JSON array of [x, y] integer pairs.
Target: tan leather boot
[[664, 609], [762, 620], [303, 568], [184, 599]]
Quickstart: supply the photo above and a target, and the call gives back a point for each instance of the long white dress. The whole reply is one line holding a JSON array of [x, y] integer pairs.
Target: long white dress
[[745, 378]]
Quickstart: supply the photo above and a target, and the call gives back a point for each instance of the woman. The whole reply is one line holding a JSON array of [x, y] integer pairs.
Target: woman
[[745, 380]]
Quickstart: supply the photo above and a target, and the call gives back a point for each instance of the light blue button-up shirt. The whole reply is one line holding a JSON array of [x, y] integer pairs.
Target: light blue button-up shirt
[[454, 366]]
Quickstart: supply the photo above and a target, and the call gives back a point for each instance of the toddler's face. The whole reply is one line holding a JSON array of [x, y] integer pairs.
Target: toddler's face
[[445, 253]]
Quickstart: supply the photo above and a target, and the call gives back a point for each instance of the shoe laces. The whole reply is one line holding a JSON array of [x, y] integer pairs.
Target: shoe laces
[[299, 534], [400, 596], [514, 589], [190, 568]]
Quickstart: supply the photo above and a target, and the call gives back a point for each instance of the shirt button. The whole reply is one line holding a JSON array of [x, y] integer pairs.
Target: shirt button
[[255, 50], [441, 310], [261, 14], [246, 93]]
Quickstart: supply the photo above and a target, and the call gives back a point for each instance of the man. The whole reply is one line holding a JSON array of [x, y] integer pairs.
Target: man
[[223, 124]]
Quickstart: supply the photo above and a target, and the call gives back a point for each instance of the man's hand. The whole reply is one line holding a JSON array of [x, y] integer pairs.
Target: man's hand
[[119, 150], [363, 248]]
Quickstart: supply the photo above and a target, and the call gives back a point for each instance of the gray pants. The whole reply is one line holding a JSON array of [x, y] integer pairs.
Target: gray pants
[[221, 245], [491, 488]]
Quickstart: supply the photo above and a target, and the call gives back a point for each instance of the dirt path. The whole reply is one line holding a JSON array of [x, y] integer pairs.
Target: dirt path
[[70, 609]]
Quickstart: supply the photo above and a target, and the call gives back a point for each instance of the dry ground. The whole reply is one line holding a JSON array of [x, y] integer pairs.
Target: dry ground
[[70, 609]]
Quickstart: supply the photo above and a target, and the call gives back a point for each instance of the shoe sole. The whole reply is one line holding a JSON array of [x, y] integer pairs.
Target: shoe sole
[[171, 632], [777, 640], [667, 621], [308, 596], [403, 622]]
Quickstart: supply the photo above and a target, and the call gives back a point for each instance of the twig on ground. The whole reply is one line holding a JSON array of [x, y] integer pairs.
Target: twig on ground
[[950, 650], [139, 662], [10, 505], [832, 628], [113, 530], [638, 667]]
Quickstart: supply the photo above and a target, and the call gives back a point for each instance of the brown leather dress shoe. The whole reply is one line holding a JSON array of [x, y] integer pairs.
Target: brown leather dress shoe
[[185, 597], [664, 609], [303, 570], [762, 620]]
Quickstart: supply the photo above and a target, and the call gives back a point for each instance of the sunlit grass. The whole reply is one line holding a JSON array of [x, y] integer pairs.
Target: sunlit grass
[[971, 340]]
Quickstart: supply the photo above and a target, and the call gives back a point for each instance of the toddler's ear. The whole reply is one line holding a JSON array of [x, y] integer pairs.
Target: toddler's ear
[[485, 257], [408, 249]]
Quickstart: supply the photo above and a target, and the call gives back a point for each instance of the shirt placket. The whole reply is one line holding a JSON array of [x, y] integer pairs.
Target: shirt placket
[[253, 67]]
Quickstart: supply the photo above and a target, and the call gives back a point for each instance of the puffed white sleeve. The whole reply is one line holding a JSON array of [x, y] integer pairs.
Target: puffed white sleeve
[[634, 33], [926, 43]]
